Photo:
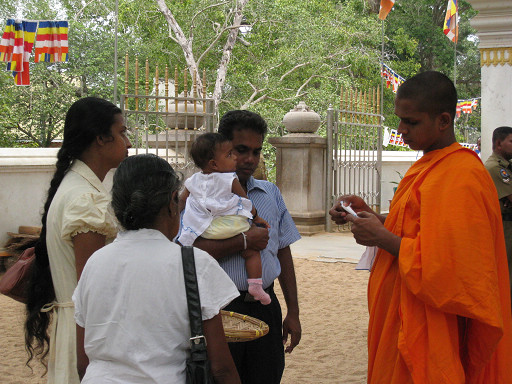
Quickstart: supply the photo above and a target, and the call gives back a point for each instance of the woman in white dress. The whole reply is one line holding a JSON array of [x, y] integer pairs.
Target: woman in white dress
[[75, 223], [130, 303]]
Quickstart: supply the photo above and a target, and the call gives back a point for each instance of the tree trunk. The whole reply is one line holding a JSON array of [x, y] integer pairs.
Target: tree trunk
[[184, 43], [186, 46], [227, 51]]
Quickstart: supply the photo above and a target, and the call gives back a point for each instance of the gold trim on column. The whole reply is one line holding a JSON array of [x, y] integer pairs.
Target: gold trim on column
[[495, 56]]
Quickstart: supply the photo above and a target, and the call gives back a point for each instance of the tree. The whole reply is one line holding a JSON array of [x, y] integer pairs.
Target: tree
[[415, 42], [287, 51], [37, 117], [264, 55], [231, 26], [302, 51], [34, 115]]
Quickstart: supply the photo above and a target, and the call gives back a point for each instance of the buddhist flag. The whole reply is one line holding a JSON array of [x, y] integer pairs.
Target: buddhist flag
[[7, 42], [385, 8], [451, 29], [16, 47], [52, 42]]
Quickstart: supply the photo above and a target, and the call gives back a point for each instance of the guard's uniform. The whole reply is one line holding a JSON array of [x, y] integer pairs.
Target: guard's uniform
[[501, 173]]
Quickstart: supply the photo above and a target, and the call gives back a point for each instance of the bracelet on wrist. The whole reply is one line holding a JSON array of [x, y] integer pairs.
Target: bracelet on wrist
[[244, 236]]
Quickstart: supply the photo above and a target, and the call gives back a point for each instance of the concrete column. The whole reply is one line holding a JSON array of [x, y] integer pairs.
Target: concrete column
[[494, 29], [301, 169]]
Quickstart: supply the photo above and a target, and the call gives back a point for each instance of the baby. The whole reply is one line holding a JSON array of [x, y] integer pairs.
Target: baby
[[216, 205]]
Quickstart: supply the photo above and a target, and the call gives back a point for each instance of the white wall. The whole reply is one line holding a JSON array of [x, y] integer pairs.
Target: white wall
[[393, 162], [496, 103], [25, 176]]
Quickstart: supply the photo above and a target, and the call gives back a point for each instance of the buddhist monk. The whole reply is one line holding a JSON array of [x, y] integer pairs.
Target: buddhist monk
[[438, 293]]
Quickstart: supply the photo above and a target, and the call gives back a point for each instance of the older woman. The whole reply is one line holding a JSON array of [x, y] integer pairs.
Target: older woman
[[130, 303]]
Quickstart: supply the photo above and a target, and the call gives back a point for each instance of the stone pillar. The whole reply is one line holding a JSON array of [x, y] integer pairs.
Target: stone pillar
[[494, 26], [301, 169]]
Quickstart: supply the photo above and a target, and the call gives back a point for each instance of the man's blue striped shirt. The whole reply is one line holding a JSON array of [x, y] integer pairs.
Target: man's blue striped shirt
[[270, 205]]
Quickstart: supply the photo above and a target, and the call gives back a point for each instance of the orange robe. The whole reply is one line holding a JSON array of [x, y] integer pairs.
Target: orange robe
[[440, 312]]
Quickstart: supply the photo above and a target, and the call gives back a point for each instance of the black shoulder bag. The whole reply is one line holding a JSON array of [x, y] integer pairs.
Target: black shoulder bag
[[198, 366]]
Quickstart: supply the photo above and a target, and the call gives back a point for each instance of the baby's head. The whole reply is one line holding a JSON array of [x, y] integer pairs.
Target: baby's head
[[212, 152]]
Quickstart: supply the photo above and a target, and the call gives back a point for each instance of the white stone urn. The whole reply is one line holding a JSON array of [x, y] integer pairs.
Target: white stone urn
[[301, 119], [186, 118]]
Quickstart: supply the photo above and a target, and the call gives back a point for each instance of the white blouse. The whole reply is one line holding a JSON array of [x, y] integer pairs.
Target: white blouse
[[132, 303]]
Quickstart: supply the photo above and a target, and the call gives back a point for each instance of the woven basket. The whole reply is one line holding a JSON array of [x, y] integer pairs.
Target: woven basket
[[238, 327]]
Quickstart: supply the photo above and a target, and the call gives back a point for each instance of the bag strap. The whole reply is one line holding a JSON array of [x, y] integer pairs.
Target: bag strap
[[197, 339]]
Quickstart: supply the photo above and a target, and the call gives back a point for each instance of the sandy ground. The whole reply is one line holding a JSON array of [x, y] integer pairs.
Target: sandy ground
[[334, 316]]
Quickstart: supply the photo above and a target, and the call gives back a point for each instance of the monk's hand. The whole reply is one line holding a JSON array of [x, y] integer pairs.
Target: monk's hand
[[339, 215], [291, 326], [367, 228], [257, 238]]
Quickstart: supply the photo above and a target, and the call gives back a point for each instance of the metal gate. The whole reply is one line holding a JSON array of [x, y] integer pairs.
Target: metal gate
[[164, 120], [354, 149]]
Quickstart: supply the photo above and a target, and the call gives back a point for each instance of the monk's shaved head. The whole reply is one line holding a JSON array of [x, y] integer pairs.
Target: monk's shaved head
[[433, 92]]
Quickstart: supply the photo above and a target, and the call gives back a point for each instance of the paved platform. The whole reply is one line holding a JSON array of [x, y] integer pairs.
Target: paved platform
[[329, 247]]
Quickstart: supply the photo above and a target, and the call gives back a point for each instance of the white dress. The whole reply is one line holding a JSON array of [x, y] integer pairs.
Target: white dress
[[210, 197], [131, 301], [80, 205]]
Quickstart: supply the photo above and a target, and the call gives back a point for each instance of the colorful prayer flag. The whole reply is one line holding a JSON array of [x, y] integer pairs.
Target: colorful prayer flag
[[466, 106], [391, 77], [52, 42], [385, 8], [7, 43], [473, 147], [18, 40], [451, 29], [396, 139], [16, 47]]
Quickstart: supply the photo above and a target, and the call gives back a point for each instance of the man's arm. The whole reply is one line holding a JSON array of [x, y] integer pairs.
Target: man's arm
[[503, 188], [256, 238], [291, 323]]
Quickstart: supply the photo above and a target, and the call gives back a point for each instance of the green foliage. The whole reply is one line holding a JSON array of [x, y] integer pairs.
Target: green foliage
[[35, 114], [295, 51], [38, 115], [301, 52], [416, 43]]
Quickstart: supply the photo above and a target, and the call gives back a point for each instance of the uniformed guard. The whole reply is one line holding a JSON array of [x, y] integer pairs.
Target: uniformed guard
[[500, 168]]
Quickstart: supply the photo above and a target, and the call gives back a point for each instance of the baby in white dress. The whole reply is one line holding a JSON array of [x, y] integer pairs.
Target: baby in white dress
[[216, 205]]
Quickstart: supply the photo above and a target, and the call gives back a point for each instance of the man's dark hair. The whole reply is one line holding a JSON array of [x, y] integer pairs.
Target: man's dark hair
[[239, 120], [500, 134], [204, 147], [433, 91]]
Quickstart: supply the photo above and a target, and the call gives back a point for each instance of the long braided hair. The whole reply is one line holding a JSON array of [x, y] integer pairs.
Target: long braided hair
[[86, 119]]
